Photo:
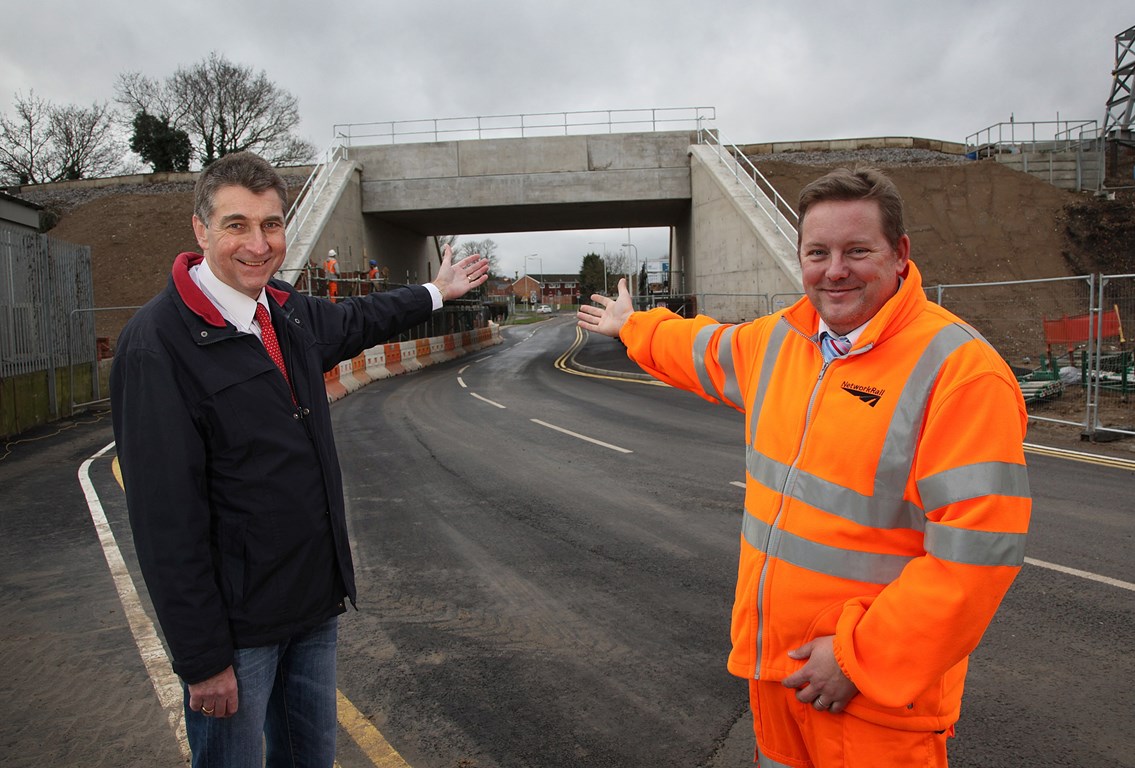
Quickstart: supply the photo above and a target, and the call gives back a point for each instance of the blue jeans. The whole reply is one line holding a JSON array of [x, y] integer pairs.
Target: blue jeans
[[286, 702]]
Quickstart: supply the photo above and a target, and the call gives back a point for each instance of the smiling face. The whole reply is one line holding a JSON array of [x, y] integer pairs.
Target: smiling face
[[243, 241], [849, 267]]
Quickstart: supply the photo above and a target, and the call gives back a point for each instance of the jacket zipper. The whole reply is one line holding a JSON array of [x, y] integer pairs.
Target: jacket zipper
[[774, 528]]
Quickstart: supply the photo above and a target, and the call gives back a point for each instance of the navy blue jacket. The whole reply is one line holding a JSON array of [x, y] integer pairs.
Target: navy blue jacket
[[234, 491]]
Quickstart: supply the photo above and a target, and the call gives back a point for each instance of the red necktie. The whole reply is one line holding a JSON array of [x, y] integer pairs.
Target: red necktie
[[271, 343]]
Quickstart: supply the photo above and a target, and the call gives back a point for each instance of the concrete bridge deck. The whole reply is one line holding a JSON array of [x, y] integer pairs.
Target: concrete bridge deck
[[389, 202]]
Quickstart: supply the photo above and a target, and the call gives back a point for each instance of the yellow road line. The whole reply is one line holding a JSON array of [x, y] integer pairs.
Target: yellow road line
[[1087, 458], [376, 747], [561, 364]]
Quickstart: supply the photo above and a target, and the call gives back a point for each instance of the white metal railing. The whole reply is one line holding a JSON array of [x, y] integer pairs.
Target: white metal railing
[[771, 203], [525, 125], [316, 182], [1037, 136], [1052, 141]]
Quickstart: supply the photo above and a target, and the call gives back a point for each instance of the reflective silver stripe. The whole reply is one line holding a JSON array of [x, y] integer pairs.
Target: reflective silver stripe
[[732, 392], [772, 351], [869, 567], [701, 346], [885, 507], [879, 511], [767, 762], [731, 395], [991, 478], [901, 443], [961, 545]]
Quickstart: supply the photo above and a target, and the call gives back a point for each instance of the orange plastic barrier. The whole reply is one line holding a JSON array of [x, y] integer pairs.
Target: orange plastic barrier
[[335, 388], [397, 358], [394, 358], [1078, 329]]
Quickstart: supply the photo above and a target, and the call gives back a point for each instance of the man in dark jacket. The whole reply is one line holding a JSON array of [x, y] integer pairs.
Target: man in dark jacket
[[232, 481]]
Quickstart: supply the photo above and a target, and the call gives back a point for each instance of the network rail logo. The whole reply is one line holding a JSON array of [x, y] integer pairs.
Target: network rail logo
[[868, 394]]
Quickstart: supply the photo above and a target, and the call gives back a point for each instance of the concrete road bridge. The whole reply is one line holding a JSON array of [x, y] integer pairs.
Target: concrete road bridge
[[387, 191]]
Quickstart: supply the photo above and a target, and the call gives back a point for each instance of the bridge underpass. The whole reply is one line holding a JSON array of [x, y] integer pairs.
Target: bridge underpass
[[390, 202]]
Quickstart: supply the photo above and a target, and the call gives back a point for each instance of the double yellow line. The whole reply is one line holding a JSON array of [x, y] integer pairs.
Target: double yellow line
[[565, 363], [1087, 458]]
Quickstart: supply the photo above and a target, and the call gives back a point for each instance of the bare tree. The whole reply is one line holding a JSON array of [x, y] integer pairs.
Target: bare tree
[[618, 263], [45, 142], [25, 141], [486, 247], [138, 93], [224, 107], [84, 142]]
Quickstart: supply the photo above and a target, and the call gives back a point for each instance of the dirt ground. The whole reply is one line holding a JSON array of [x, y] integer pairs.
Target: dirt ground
[[134, 239], [968, 222]]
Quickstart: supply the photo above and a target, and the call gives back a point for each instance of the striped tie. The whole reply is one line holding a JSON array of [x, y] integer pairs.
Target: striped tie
[[271, 343], [833, 346]]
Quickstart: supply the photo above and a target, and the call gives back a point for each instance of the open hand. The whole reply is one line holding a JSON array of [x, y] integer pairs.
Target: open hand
[[609, 317], [455, 280]]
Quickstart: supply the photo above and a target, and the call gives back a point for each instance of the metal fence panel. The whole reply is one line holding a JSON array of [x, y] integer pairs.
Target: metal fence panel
[[733, 307], [1113, 374], [23, 338], [1065, 338], [42, 281]]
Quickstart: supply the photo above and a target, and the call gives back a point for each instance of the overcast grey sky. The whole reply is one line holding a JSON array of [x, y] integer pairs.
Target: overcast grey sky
[[773, 69]]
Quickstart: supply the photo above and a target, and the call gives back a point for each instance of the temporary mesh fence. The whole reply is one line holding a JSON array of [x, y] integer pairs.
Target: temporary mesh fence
[[1113, 375], [1067, 340]]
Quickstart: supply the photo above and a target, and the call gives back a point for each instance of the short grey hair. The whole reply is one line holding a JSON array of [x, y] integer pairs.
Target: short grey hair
[[237, 169]]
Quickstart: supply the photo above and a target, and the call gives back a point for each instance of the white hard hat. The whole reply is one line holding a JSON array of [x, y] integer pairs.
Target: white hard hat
[[332, 252]]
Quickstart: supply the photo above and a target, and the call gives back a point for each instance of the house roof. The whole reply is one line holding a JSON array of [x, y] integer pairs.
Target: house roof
[[19, 201], [549, 277]]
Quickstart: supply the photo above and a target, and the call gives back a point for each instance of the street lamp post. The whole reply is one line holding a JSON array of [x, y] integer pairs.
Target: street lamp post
[[634, 285], [541, 263], [603, 259]]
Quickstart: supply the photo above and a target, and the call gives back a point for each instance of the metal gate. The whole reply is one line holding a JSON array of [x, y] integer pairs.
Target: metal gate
[[42, 282]]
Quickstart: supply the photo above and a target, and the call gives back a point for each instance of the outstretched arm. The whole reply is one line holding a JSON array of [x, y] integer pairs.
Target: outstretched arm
[[608, 318], [455, 280]]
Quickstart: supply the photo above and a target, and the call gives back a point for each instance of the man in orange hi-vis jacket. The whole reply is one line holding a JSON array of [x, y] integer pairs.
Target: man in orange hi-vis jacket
[[331, 269], [886, 500]]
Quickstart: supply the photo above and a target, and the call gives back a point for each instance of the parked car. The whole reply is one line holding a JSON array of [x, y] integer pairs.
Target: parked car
[[543, 309]]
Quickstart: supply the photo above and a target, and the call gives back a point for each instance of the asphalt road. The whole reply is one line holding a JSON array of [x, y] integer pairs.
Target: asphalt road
[[545, 564]]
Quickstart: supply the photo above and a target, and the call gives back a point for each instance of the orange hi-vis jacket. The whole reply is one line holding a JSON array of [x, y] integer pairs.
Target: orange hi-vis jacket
[[886, 497]]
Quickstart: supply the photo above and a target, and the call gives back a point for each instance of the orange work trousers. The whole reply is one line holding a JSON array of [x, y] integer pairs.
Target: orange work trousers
[[332, 291], [791, 734]]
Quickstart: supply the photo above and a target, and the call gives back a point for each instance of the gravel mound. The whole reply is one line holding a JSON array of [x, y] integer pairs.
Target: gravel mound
[[880, 157], [61, 198]]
